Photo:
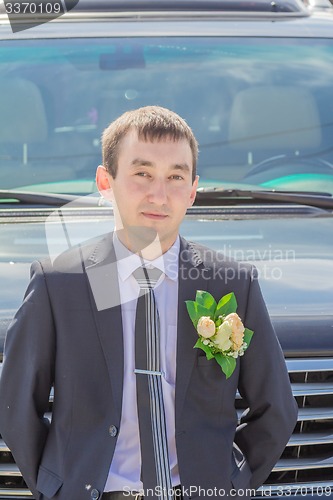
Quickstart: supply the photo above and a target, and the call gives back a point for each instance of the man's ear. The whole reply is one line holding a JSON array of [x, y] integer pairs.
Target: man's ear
[[193, 191], [103, 182]]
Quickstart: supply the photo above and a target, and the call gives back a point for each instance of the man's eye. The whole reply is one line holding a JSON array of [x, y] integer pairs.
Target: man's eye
[[142, 174], [177, 177]]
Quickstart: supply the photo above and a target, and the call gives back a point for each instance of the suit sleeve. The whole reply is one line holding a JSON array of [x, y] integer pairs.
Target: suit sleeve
[[27, 378], [267, 425]]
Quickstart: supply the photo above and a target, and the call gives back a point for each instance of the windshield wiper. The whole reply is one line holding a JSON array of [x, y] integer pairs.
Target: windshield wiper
[[49, 199], [204, 195], [322, 200]]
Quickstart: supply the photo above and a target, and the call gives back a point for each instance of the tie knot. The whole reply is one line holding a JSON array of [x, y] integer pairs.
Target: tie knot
[[147, 278]]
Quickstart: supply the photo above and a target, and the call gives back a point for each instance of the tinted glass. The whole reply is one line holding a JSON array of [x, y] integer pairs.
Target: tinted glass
[[261, 108]]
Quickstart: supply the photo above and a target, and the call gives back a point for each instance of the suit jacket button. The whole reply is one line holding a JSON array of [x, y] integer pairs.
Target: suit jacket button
[[94, 494], [113, 431]]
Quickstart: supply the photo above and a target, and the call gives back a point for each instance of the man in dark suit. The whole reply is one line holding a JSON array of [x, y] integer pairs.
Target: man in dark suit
[[75, 331]]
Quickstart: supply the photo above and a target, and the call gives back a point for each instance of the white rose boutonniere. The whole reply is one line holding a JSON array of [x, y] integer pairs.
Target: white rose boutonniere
[[222, 334], [206, 327]]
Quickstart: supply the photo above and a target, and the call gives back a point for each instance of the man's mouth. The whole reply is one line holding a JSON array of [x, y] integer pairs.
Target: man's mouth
[[154, 215]]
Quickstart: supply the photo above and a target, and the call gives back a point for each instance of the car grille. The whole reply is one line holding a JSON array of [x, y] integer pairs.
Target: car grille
[[306, 465]]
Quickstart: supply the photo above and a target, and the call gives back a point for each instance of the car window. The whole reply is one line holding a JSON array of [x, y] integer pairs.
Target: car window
[[261, 108]]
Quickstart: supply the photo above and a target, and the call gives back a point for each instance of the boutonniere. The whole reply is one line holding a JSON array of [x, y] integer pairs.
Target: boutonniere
[[222, 334]]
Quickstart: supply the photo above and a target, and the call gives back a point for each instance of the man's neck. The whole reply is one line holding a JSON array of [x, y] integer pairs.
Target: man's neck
[[147, 248]]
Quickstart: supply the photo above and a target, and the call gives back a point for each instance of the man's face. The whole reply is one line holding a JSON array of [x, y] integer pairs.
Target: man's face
[[152, 190]]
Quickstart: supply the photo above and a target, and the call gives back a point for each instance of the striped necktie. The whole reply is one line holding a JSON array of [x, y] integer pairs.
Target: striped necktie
[[155, 466]]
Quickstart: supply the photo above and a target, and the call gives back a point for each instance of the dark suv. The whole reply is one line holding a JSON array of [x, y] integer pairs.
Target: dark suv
[[254, 79]]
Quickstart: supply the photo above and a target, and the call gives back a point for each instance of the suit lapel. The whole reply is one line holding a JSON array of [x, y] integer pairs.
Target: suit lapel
[[102, 274], [190, 279]]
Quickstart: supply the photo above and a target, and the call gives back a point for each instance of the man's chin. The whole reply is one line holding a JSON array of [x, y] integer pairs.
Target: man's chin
[[137, 238]]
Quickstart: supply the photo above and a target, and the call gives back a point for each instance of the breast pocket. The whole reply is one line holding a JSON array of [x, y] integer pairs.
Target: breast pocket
[[208, 383]]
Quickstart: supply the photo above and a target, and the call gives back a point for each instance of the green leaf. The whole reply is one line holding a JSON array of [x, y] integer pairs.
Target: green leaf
[[196, 310], [227, 364], [206, 300], [200, 345], [248, 335], [227, 305]]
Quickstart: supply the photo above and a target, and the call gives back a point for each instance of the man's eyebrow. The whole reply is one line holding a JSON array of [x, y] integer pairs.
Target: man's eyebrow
[[141, 162], [182, 166]]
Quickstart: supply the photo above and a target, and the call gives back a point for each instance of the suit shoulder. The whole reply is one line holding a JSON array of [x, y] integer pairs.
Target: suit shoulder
[[73, 259], [215, 259]]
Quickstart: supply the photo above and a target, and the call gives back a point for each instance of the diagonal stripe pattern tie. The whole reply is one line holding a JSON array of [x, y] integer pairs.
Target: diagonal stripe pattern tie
[[155, 466]]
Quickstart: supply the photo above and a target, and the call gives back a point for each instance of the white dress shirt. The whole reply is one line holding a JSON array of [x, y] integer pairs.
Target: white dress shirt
[[126, 464]]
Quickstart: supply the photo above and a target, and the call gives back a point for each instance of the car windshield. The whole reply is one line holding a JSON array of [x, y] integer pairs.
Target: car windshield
[[261, 108]]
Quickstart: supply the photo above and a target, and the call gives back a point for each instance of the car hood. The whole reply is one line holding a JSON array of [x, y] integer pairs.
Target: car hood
[[293, 256]]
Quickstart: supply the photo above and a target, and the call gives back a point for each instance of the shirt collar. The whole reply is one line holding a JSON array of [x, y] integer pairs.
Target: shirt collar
[[128, 262]]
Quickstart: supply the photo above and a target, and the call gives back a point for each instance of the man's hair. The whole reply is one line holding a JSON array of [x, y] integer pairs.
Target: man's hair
[[152, 123]]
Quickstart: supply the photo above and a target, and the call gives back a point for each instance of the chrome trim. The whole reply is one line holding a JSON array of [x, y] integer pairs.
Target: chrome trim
[[306, 414], [312, 389], [296, 365], [303, 464], [89, 16], [3, 447], [17, 493], [312, 438], [9, 470]]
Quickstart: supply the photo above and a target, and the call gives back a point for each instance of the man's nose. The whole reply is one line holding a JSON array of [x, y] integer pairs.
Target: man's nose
[[158, 192]]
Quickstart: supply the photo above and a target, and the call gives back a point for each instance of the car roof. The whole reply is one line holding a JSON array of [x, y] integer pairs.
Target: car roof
[[128, 8], [159, 18], [190, 5]]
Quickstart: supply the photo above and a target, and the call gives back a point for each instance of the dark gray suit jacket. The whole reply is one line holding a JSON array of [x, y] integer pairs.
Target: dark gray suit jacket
[[68, 334]]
